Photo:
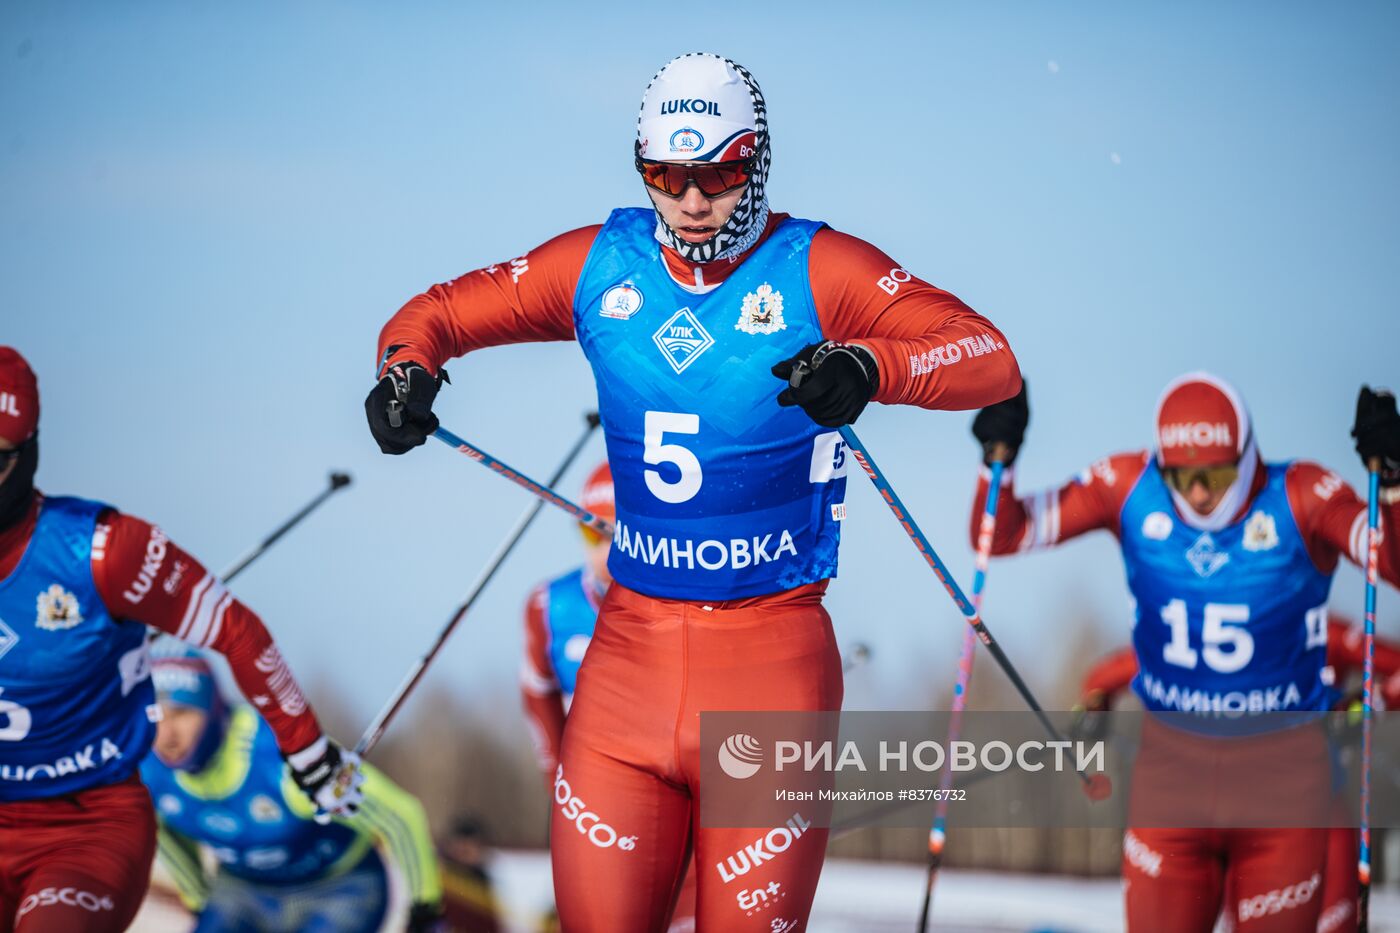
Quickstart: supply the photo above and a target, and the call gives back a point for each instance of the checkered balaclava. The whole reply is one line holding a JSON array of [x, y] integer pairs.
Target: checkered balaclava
[[702, 107]]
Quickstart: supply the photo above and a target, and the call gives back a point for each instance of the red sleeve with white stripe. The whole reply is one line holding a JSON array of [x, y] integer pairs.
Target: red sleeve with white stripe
[[143, 576], [539, 687], [1092, 500], [527, 299], [1332, 518], [932, 350]]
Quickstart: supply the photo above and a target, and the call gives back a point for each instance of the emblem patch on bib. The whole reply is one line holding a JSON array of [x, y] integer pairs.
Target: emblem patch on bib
[[762, 311], [58, 610]]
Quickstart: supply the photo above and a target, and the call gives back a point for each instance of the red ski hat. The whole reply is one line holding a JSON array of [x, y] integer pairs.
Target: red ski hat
[[1201, 421], [19, 397], [598, 493]]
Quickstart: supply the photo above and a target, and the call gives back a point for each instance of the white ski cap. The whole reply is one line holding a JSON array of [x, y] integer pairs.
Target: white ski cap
[[697, 109]]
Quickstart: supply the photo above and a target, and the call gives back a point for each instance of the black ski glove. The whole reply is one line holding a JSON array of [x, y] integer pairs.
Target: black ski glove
[[832, 381], [329, 775], [1002, 427], [1377, 432], [400, 407]]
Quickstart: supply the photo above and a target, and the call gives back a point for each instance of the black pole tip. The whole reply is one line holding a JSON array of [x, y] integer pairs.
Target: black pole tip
[[593, 419], [340, 480]]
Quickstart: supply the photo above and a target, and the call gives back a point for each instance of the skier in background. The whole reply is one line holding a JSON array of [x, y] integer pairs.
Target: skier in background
[[559, 619], [469, 902], [1229, 560], [1113, 674], [79, 583], [218, 783]]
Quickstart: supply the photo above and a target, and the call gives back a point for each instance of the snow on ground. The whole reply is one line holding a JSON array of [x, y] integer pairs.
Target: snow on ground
[[868, 897]]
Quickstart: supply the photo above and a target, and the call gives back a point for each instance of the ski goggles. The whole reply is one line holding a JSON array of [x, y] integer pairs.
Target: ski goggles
[[712, 178], [1215, 478], [592, 536]]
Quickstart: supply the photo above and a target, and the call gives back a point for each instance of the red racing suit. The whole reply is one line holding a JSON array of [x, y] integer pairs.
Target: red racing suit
[[83, 860], [627, 785], [1270, 879]]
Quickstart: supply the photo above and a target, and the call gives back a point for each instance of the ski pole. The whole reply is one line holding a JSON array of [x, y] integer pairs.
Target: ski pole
[[986, 531], [338, 481], [381, 722], [544, 492], [1368, 684], [1096, 786]]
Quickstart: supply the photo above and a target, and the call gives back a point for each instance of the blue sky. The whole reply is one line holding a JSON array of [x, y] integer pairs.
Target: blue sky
[[208, 210]]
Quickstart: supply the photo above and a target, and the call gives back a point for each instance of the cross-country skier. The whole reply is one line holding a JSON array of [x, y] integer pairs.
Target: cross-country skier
[[218, 782], [1114, 673], [728, 492], [559, 620], [1229, 561], [79, 583]]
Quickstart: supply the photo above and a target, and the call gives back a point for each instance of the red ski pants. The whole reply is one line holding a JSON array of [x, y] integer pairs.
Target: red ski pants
[[76, 863], [1262, 880], [626, 792]]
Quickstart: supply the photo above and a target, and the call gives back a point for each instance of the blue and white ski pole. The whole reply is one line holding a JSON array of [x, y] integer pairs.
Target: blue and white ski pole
[[1368, 686], [1096, 786], [544, 493]]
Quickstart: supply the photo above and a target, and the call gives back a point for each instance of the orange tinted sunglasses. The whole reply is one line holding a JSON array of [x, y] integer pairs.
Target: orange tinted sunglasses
[[1215, 478], [712, 178]]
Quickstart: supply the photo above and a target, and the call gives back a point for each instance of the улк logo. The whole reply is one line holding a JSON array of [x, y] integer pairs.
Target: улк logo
[[1205, 557], [58, 609], [762, 312], [682, 339], [621, 301], [740, 756]]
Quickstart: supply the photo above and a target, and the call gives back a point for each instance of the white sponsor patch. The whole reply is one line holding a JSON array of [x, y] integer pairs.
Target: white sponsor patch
[[622, 301], [1157, 526]]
